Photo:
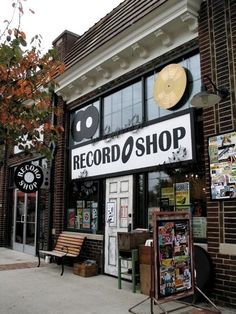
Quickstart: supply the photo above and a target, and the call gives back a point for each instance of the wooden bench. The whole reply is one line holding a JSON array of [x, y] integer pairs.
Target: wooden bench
[[67, 245]]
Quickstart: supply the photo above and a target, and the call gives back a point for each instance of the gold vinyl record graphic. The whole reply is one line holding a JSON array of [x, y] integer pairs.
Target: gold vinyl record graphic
[[170, 86]]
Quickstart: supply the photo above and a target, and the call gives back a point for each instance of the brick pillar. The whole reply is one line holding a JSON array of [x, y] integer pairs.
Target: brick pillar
[[217, 34], [59, 176]]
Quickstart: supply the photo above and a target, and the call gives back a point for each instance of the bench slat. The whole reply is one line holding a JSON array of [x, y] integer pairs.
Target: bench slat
[[70, 244]]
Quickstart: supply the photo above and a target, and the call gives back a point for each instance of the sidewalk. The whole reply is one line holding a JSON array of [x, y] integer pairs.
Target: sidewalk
[[34, 290]]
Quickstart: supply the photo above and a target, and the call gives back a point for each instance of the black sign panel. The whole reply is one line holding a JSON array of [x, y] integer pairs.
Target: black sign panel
[[28, 177]]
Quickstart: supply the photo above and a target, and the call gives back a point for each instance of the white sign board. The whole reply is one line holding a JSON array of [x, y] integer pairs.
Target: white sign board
[[165, 142]]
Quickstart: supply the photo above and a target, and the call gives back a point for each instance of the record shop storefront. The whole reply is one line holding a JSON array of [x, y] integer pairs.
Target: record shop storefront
[[135, 149]]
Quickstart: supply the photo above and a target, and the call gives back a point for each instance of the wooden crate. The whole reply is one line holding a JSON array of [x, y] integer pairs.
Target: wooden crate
[[146, 275], [145, 254], [85, 270], [131, 240]]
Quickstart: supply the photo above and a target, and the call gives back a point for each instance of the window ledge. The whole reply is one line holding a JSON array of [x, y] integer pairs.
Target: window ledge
[[89, 236], [227, 249]]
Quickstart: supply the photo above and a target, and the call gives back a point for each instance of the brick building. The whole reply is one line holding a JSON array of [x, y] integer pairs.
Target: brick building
[[134, 143]]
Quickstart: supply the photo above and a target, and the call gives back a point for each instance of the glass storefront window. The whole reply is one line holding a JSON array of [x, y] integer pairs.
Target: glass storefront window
[[122, 109], [83, 209], [177, 190]]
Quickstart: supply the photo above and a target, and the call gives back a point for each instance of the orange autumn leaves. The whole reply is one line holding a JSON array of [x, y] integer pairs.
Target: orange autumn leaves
[[27, 81]]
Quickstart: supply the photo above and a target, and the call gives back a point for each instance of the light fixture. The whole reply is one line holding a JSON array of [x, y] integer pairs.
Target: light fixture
[[205, 99]]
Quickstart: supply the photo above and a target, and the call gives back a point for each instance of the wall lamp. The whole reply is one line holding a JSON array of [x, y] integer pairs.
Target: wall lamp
[[205, 99]]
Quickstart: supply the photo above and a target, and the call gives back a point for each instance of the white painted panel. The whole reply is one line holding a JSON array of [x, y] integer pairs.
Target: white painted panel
[[124, 186], [113, 187], [112, 259]]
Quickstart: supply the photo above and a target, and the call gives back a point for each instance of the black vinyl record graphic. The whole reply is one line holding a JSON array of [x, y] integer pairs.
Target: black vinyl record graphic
[[77, 134], [91, 113], [88, 120]]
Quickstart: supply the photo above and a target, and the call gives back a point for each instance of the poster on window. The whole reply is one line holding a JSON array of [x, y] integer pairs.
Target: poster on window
[[168, 193], [71, 218], [86, 218], [182, 194], [94, 222], [173, 257], [222, 157], [79, 216], [124, 212], [111, 213]]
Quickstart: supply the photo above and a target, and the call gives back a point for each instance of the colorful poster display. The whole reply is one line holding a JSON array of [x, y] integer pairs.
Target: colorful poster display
[[222, 157], [173, 255]]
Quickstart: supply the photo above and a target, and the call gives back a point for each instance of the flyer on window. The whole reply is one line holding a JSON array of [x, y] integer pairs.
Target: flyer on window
[[71, 218], [182, 194], [86, 218]]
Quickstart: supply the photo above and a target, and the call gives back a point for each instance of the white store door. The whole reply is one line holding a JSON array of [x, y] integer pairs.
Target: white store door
[[119, 213]]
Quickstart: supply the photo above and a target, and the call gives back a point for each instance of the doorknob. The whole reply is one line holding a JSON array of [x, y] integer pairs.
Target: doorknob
[[22, 219]]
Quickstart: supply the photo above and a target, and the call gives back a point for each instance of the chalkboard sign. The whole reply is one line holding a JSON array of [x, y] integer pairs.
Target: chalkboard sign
[[173, 255]]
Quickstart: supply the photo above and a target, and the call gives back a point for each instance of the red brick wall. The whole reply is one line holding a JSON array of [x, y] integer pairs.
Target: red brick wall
[[93, 250], [59, 179], [217, 34]]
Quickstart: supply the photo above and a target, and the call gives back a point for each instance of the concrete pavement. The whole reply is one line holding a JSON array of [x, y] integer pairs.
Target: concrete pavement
[[34, 290]]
